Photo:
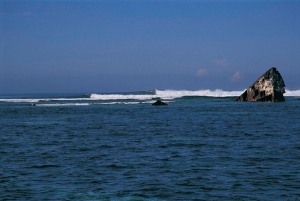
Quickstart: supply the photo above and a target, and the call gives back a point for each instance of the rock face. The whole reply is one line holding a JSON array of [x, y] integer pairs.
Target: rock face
[[159, 102], [268, 88]]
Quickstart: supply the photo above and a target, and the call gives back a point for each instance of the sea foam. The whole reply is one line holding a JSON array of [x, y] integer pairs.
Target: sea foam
[[63, 104], [122, 96], [292, 92], [166, 94], [145, 96], [171, 94]]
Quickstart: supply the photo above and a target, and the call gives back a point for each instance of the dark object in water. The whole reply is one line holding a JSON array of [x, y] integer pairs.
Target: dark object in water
[[268, 88], [159, 102]]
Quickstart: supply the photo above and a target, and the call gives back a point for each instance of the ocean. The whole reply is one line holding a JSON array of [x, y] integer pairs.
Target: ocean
[[118, 147]]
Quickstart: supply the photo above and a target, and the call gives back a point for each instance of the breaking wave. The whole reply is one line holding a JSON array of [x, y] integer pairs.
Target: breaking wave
[[141, 97], [35, 100], [122, 96], [171, 94], [166, 94], [62, 104], [292, 93]]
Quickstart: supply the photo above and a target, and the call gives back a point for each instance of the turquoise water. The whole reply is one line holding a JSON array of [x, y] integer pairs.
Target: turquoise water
[[120, 147]]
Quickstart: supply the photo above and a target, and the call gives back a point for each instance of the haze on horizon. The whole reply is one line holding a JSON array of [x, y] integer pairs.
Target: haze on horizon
[[118, 46]]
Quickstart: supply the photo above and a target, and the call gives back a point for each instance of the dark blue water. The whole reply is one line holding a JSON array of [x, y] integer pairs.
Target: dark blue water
[[196, 148]]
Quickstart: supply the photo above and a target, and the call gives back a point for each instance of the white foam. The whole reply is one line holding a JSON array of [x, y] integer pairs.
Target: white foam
[[162, 94], [122, 96], [65, 99], [35, 100], [63, 104], [115, 103], [171, 94], [20, 100], [166, 94], [292, 92]]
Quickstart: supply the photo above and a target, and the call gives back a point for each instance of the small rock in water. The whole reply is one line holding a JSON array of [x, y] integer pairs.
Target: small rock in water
[[159, 102], [268, 88]]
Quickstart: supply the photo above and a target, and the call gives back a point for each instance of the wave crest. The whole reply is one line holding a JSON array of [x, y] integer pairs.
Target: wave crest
[[121, 97], [166, 94], [144, 96], [292, 92], [171, 94]]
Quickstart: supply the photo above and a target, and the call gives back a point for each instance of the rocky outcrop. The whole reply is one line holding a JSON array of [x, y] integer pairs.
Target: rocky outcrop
[[268, 88], [159, 102]]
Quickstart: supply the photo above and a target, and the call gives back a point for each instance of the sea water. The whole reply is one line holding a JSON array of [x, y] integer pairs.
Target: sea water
[[118, 147]]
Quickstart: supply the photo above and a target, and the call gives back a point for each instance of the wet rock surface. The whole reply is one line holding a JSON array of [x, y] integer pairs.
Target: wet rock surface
[[159, 103], [268, 88]]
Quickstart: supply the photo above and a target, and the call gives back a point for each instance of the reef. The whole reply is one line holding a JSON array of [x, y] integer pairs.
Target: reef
[[268, 88]]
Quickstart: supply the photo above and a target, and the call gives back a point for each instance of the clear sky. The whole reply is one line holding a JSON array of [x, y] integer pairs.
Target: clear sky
[[118, 46]]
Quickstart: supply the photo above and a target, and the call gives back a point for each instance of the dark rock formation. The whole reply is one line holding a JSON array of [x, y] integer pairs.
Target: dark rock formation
[[268, 88], [159, 102]]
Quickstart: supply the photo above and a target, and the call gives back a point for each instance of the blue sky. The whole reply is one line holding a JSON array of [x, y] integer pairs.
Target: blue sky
[[116, 46]]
